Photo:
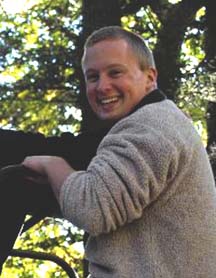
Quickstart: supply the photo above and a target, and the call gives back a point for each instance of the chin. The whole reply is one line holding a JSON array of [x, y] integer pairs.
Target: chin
[[109, 119]]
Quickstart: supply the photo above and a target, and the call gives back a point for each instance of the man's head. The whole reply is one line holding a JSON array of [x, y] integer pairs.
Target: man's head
[[119, 71], [135, 41]]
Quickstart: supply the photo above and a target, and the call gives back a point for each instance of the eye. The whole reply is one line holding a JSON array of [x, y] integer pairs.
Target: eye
[[115, 73], [92, 77]]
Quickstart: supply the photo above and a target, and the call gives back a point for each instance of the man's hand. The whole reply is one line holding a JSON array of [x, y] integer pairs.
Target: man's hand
[[51, 169]]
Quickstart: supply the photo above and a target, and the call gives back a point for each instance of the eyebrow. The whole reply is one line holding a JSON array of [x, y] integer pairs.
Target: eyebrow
[[108, 67]]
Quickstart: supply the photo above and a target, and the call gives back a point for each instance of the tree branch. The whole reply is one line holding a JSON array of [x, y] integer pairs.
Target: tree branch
[[159, 7]]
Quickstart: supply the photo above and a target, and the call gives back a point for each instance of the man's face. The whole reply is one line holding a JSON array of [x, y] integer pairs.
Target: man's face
[[115, 84]]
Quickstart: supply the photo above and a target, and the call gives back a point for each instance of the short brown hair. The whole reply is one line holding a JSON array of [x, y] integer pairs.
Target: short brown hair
[[135, 41]]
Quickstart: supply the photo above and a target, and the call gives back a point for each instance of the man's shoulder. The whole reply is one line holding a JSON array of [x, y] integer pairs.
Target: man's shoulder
[[161, 117], [156, 110]]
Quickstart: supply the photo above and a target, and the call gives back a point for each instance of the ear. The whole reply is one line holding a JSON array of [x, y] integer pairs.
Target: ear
[[151, 83]]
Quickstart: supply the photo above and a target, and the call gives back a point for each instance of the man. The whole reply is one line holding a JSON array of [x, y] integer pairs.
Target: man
[[148, 197]]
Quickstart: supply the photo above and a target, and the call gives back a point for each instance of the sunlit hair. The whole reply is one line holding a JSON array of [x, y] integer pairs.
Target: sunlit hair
[[135, 41]]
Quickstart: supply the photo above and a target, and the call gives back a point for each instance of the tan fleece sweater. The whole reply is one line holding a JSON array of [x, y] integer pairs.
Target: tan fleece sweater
[[147, 199]]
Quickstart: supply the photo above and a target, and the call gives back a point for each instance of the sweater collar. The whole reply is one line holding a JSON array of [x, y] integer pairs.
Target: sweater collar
[[155, 96]]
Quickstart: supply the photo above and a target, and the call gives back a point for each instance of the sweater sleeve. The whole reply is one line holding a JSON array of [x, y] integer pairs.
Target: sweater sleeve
[[130, 170]]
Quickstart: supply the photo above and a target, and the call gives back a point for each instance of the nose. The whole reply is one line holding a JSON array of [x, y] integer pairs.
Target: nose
[[103, 84]]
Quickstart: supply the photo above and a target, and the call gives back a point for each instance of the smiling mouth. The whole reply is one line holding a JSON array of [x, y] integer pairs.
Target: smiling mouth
[[108, 100]]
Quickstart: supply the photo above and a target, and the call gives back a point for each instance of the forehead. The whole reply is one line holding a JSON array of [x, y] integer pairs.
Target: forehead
[[107, 52]]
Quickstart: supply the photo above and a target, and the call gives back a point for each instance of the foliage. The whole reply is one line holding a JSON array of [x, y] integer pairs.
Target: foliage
[[145, 23], [39, 91], [197, 86], [37, 75], [39, 80], [53, 236], [40, 86]]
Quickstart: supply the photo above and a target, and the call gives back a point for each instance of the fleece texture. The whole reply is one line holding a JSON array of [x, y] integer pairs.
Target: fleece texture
[[147, 199]]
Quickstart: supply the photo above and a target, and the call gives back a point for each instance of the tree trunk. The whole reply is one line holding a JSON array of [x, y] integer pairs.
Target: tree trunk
[[210, 38], [211, 125], [96, 14], [170, 38], [210, 48]]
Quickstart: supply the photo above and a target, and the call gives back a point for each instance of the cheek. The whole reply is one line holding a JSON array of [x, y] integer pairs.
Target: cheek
[[91, 96], [89, 92]]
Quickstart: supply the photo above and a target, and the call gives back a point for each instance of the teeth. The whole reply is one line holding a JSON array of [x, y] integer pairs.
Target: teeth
[[108, 100]]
